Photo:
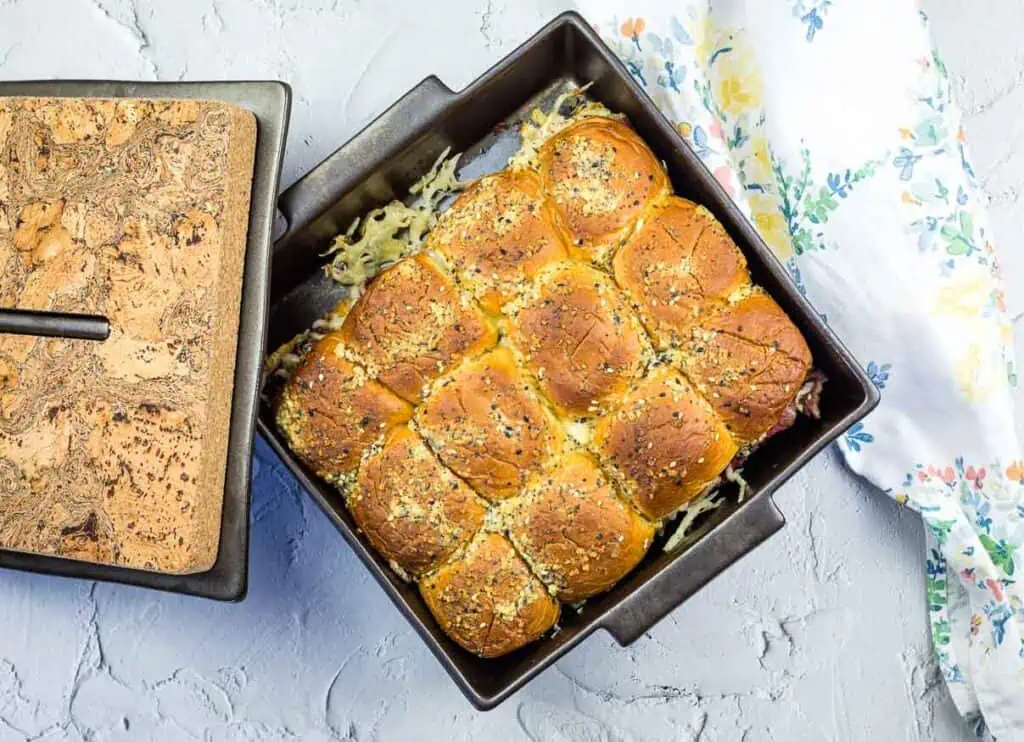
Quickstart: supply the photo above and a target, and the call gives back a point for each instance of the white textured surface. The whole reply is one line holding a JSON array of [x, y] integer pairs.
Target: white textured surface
[[820, 634]]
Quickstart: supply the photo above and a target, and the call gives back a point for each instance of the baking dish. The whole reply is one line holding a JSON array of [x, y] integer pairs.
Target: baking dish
[[270, 102], [381, 162]]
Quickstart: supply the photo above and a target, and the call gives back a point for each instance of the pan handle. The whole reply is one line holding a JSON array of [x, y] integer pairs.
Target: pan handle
[[349, 165], [732, 539]]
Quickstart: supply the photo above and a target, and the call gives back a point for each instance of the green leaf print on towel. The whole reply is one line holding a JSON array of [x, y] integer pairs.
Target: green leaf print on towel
[[1000, 551]]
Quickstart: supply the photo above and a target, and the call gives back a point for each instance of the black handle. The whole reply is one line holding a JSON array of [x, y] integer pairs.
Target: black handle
[[659, 596], [53, 324], [350, 164]]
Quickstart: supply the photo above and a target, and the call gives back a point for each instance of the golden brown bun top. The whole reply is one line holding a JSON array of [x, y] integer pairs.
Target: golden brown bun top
[[580, 339], [489, 601], [412, 508], [579, 536], [665, 444], [749, 360], [411, 325], [330, 411], [498, 234], [602, 177], [487, 423], [678, 266], [584, 354]]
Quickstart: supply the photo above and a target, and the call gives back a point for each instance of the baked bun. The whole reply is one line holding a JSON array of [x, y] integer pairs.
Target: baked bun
[[497, 235], [749, 360], [664, 444], [489, 601], [575, 531], [415, 512], [602, 177], [678, 266], [569, 295], [330, 411], [579, 338], [486, 422], [412, 325]]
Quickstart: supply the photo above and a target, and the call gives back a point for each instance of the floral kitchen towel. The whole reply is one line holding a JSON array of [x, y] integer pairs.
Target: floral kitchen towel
[[831, 123]]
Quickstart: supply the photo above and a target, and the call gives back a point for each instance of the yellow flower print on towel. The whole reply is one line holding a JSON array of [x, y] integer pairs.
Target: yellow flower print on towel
[[976, 376], [732, 86], [737, 81], [757, 160], [771, 224], [972, 300], [706, 37], [965, 296]]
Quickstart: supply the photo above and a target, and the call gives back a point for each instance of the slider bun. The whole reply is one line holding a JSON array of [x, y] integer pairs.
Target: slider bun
[[601, 176], [330, 411], [498, 234], [411, 325], [676, 267], [486, 422], [574, 295], [415, 512], [579, 338], [664, 444], [488, 601], [749, 360], [578, 535]]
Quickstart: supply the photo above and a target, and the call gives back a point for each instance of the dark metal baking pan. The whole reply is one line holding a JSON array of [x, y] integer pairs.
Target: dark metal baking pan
[[270, 102], [380, 164]]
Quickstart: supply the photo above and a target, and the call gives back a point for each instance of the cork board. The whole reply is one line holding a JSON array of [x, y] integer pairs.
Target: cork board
[[137, 210]]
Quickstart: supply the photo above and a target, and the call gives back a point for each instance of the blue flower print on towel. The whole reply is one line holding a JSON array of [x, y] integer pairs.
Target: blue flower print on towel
[[879, 374], [856, 437], [905, 161], [812, 14], [998, 614], [672, 74]]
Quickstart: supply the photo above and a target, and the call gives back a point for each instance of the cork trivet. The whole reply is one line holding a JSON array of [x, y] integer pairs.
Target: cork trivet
[[137, 210]]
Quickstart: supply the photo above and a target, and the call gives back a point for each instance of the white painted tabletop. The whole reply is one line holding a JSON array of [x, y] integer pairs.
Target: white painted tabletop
[[818, 635]]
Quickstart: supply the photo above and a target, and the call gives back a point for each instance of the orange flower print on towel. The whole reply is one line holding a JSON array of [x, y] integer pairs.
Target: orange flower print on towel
[[633, 28]]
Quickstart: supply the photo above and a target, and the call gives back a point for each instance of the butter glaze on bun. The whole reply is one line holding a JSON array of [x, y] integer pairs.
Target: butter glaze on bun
[[575, 355], [601, 176]]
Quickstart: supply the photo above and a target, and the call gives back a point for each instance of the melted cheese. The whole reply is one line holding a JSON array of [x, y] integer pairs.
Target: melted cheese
[[542, 126], [391, 232]]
